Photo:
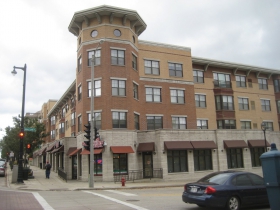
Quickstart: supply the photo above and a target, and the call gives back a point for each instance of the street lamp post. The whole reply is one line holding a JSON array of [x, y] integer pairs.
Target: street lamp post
[[91, 162], [20, 168], [263, 126]]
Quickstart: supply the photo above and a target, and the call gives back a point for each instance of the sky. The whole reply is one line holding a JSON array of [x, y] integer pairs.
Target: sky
[[36, 33]]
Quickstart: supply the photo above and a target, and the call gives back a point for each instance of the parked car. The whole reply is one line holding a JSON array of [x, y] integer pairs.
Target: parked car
[[2, 169], [227, 189]]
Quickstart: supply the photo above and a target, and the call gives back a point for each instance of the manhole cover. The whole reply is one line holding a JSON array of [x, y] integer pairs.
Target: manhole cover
[[132, 200]]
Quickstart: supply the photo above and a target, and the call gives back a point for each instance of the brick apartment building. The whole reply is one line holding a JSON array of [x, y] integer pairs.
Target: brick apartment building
[[161, 112]]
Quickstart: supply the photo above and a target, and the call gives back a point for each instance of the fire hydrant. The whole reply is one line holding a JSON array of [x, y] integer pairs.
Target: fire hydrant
[[123, 181]]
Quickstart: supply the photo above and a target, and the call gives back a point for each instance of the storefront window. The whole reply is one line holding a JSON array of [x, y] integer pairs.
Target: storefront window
[[120, 163], [177, 161]]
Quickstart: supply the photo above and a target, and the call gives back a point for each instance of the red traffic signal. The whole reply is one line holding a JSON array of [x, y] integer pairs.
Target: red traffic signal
[[21, 135], [28, 148]]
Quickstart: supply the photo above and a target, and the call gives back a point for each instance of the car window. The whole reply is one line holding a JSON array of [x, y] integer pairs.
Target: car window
[[216, 178], [242, 180], [257, 180]]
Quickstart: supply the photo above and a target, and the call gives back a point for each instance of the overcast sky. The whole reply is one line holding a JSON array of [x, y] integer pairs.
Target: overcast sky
[[36, 33]]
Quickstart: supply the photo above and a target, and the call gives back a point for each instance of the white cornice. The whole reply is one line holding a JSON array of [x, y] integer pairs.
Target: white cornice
[[167, 81], [157, 44]]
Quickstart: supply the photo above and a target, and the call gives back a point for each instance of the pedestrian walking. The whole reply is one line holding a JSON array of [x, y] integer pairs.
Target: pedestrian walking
[[48, 170]]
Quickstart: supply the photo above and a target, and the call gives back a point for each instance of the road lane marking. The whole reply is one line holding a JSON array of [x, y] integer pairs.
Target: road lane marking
[[116, 200], [42, 201], [121, 193]]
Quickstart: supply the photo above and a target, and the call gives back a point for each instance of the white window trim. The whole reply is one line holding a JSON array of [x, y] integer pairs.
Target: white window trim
[[151, 59], [268, 121], [179, 116], [99, 78], [118, 110], [88, 112], [134, 54], [150, 86], [135, 83], [242, 97], [243, 120], [137, 113], [175, 62], [154, 115], [219, 72], [202, 118], [117, 78], [117, 48], [93, 49], [174, 88], [200, 94]]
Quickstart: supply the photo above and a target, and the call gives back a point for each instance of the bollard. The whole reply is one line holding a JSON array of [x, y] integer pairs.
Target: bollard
[[123, 182]]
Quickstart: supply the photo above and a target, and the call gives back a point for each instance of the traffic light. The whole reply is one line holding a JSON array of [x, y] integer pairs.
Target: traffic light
[[28, 148], [21, 135], [96, 133], [87, 131]]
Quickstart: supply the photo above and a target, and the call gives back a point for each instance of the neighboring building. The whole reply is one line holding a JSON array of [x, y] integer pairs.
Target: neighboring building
[[160, 111]]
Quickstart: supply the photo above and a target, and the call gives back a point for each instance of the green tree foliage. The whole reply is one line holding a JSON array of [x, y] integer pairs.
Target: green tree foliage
[[10, 141]]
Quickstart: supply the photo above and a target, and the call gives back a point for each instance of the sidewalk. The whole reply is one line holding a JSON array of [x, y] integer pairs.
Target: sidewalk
[[55, 183]]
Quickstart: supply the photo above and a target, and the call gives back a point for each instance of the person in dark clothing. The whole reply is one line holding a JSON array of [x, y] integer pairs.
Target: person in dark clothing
[[48, 170]]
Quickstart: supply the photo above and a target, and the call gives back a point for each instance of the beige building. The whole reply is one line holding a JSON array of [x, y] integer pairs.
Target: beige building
[[159, 111]]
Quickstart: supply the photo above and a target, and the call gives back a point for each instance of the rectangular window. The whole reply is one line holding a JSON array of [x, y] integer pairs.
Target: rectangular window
[[276, 85], [151, 67], [72, 103], [79, 123], [96, 88], [117, 57], [255, 156], [222, 80], [119, 120], [278, 106], [177, 96], [79, 93], [53, 120], [98, 162], [235, 158], [96, 120], [202, 160], [240, 81], [262, 84], [120, 164], [96, 57], [134, 62], [52, 134], [80, 63], [243, 103], [200, 100], [135, 91], [63, 112], [198, 76], [245, 124], [269, 126], [72, 118], [175, 70], [202, 124], [154, 122], [118, 87], [265, 105], [226, 124], [153, 94], [179, 123], [61, 128], [136, 122], [177, 161], [224, 103]]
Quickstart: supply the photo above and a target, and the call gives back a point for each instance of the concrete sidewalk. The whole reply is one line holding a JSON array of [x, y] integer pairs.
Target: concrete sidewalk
[[55, 183]]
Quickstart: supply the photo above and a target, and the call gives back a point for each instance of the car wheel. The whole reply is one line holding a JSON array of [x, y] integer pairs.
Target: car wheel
[[233, 203]]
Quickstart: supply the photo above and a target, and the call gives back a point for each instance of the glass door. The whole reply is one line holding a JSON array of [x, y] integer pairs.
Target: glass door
[[147, 164], [74, 167]]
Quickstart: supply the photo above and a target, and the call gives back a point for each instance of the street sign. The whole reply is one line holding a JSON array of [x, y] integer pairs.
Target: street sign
[[30, 129]]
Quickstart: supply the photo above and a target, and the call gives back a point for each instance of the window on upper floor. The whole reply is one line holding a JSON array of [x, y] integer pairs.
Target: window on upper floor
[[118, 87], [53, 120], [97, 119], [134, 62], [175, 69], [262, 83], [52, 134], [79, 92], [177, 96], [73, 118], [202, 124], [245, 124], [265, 105], [79, 63], [154, 122], [79, 123], [153, 94], [151, 67], [198, 76], [222, 80], [179, 122], [63, 112], [117, 57], [61, 127], [135, 91], [97, 57], [226, 124], [119, 119], [268, 125], [224, 103], [276, 85], [96, 88], [240, 81], [136, 122], [200, 100], [243, 103], [278, 106]]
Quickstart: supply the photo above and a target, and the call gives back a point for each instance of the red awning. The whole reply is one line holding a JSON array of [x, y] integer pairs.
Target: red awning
[[96, 152], [71, 149], [146, 147], [42, 151], [75, 152], [59, 149], [177, 145], [204, 145], [122, 149], [228, 144], [258, 143], [50, 148]]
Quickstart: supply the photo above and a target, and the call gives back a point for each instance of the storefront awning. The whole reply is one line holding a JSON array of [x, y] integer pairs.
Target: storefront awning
[[42, 151], [146, 147], [228, 144], [96, 152], [258, 143], [122, 149], [71, 149], [59, 149], [177, 145], [204, 145], [50, 148], [75, 152]]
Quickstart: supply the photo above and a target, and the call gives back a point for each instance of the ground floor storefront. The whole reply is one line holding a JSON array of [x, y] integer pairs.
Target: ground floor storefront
[[162, 154]]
